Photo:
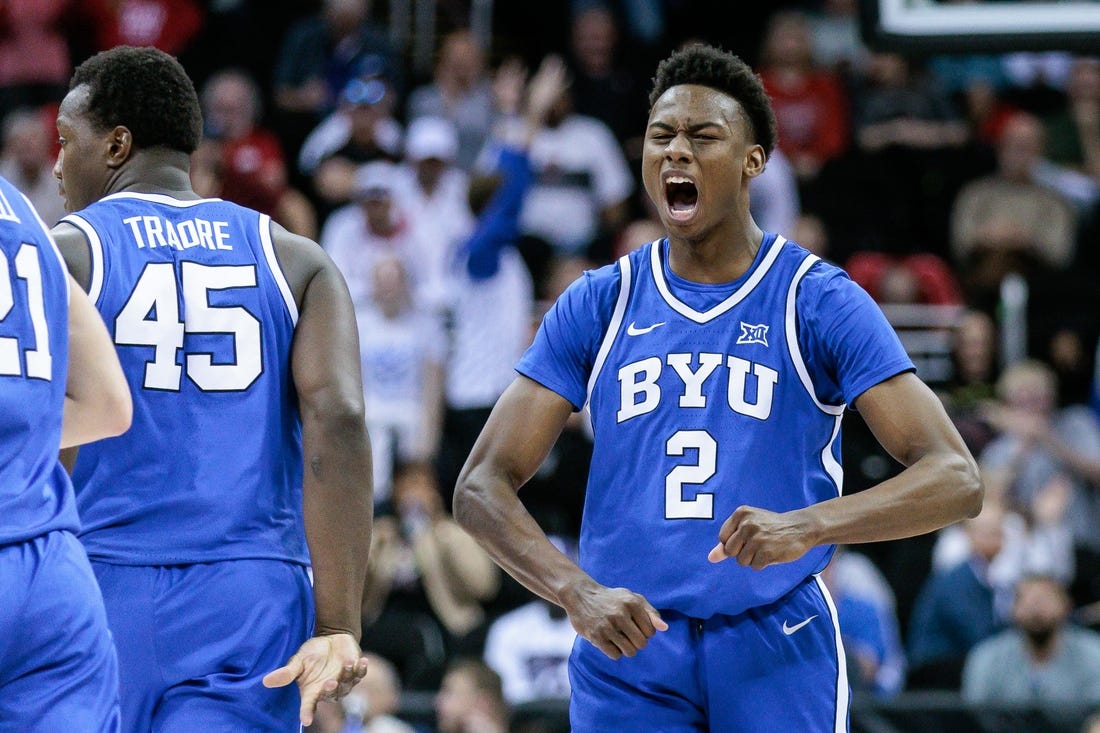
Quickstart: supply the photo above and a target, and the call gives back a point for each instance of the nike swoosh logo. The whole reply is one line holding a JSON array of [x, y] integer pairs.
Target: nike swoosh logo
[[788, 630], [633, 330]]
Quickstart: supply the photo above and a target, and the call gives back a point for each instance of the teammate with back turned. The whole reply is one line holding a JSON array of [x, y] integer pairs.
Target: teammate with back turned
[[60, 385], [239, 343], [717, 364]]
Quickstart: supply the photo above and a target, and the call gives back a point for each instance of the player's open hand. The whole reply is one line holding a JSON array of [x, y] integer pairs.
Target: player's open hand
[[759, 538], [325, 667], [618, 621]]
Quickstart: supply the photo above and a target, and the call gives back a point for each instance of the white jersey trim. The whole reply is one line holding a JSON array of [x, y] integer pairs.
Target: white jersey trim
[[841, 722], [738, 295], [159, 198], [95, 249], [791, 328], [828, 461], [276, 270], [615, 325]]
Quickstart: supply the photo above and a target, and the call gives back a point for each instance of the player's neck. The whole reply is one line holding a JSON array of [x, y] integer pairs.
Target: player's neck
[[160, 171], [721, 256]]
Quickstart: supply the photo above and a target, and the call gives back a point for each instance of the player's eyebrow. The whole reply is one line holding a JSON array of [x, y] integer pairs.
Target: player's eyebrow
[[691, 128]]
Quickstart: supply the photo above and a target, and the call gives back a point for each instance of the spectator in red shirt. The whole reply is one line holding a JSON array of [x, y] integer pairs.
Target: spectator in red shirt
[[809, 102], [170, 25]]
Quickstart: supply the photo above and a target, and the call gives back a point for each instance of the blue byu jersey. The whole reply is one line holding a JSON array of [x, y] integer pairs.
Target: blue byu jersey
[[202, 318], [35, 494], [704, 398]]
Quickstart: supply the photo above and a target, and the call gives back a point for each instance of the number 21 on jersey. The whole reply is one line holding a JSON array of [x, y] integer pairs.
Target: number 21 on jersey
[[151, 318], [39, 363]]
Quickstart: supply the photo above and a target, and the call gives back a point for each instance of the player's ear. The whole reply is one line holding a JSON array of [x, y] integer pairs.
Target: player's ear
[[753, 164], [120, 143]]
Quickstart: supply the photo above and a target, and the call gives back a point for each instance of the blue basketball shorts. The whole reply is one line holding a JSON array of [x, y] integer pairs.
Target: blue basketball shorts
[[773, 669], [194, 642], [58, 670]]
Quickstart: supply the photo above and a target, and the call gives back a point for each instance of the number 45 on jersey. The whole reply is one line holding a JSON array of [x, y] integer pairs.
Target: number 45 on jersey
[[151, 317]]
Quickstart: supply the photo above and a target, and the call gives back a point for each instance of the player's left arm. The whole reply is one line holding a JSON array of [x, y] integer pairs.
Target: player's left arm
[[336, 486], [940, 484]]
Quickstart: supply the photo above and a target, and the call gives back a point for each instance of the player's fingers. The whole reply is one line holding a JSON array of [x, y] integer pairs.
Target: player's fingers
[[608, 648], [626, 646], [649, 620], [717, 553], [642, 620], [634, 637], [311, 694], [284, 675], [728, 528], [361, 668]]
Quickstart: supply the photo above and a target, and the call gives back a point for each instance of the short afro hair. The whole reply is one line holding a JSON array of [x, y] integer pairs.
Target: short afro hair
[[712, 67], [146, 91]]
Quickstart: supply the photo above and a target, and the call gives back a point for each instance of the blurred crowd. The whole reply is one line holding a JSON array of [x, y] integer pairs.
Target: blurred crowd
[[460, 194]]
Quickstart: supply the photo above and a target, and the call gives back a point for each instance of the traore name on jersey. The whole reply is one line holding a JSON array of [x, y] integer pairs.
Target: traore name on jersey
[[156, 231]]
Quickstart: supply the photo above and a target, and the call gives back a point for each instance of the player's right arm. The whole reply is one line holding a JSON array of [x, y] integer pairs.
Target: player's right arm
[[97, 397], [521, 430]]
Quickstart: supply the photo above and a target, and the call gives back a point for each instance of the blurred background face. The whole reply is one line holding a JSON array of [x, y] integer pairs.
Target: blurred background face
[[457, 698], [986, 532], [1040, 608], [788, 41], [1084, 80], [975, 344], [594, 37], [461, 61], [1020, 147], [1030, 389], [345, 16], [229, 106], [391, 287], [379, 211], [378, 693], [429, 171], [27, 141]]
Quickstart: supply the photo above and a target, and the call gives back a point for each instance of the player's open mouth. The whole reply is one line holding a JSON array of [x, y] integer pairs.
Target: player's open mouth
[[682, 197]]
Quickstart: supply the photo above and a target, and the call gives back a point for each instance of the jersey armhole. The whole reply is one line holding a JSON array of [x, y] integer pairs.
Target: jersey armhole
[[96, 264], [275, 269], [613, 327]]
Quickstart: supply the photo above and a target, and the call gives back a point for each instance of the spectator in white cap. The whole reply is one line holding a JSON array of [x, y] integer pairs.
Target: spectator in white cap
[[432, 189], [376, 225]]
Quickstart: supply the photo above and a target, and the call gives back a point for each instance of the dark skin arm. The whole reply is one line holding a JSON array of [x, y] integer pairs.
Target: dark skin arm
[[940, 486], [336, 490], [74, 250], [519, 434]]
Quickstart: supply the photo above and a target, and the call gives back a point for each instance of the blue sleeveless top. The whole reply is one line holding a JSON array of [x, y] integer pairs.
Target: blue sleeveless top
[[203, 319], [35, 494]]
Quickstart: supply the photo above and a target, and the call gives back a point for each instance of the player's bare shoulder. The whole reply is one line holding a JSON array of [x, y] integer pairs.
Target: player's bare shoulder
[[301, 260], [73, 245]]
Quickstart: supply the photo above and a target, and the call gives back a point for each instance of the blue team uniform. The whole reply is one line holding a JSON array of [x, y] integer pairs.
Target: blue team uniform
[[193, 518], [57, 665], [704, 398]]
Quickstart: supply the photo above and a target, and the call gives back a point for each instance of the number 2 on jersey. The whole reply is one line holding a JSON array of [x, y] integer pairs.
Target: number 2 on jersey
[[151, 317], [39, 361], [702, 506]]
